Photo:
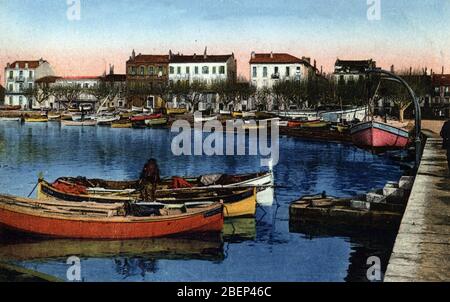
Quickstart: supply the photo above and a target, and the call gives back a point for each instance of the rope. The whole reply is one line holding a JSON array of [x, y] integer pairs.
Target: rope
[[33, 189]]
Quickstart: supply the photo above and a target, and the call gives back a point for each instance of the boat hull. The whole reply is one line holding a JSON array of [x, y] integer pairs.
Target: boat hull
[[36, 222], [89, 123], [379, 135], [36, 120]]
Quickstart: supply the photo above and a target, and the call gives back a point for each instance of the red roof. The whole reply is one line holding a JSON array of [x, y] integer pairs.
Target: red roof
[[200, 58], [145, 59], [441, 80], [274, 58], [22, 64]]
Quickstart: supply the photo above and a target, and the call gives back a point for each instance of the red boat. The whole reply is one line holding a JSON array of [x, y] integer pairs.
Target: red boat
[[95, 221], [141, 118], [295, 124], [379, 135]]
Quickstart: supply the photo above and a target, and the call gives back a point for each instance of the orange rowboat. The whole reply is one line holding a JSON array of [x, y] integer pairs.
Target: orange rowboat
[[93, 221]]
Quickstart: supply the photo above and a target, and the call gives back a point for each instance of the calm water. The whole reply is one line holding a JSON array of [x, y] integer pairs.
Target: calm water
[[261, 249]]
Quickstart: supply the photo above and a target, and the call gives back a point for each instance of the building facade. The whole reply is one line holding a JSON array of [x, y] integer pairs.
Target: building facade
[[118, 81], [149, 72], [202, 68], [441, 94], [348, 70], [21, 76], [266, 69]]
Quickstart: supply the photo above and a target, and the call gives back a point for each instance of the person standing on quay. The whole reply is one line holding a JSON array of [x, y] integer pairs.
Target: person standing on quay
[[445, 134]]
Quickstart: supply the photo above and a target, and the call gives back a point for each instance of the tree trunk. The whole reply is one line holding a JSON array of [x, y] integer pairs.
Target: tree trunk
[[401, 115]]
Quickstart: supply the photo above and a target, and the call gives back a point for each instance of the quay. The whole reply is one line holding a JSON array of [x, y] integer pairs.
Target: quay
[[422, 248]]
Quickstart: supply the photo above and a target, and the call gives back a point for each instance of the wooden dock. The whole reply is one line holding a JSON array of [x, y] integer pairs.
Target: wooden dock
[[422, 248]]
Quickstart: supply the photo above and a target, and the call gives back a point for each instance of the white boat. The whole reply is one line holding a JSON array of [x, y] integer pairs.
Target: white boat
[[247, 114], [309, 115], [79, 117], [348, 115], [264, 185], [105, 120], [85, 123], [53, 117], [201, 119], [137, 109], [10, 119], [225, 112]]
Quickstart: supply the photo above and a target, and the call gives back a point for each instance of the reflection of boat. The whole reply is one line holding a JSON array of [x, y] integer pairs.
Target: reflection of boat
[[176, 110], [239, 229], [237, 203], [379, 135], [122, 124], [156, 122], [86, 123], [205, 247], [101, 221], [36, 120]]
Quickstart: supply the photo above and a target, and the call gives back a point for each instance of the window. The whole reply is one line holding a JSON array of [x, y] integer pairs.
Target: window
[[276, 69], [31, 73], [214, 70], [11, 74], [196, 69], [188, 70], [20, 87], [160, 70], [205, 70], [20, 100], [151, 70], [172, 70], [10, 100], [298, 69], [178, 70], [222, 69], [30, 85], [255, 72], [86, 85], [288, 71], [11, 87], [265, 71], [142, 70], [133, 70]]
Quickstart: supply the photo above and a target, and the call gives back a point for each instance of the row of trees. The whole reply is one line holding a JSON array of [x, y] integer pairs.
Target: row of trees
[[312, 93]]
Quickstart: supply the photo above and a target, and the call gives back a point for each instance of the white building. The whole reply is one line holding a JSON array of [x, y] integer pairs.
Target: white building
[[268, 68], [20, 76], [205, 68], [352, 70]]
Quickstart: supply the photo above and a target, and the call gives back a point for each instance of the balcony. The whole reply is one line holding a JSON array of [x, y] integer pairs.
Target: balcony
[[275, 76], [20, 79]]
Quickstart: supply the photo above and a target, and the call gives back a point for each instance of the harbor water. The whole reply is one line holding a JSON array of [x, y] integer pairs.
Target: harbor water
[[262, 249]]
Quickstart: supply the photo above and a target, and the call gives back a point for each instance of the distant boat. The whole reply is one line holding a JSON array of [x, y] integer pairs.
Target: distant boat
[[36, 119], [137, 109], [122, 124], [176, 110], [10, 119], [204, 118], [338, 116], [107, 120], [247, 114], [300, 123], [225, 112], [79, 117], [10, 107], [156, 122], [297, 114], [53, 117], [85, 123], [374, 134], [144, 117]]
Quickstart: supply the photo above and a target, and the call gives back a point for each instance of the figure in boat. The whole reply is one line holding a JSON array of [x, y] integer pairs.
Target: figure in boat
[[149, 179]]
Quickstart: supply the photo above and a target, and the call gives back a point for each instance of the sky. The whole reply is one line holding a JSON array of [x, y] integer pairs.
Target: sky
[[407, 32]]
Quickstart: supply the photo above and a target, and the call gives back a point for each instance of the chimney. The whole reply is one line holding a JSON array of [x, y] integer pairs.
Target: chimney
[[392, 68], [195, 56], [315, 64], [271, 54], [442, 70], [170, 54], [253, 55], [205, 55], [41, 61], [133, 55]]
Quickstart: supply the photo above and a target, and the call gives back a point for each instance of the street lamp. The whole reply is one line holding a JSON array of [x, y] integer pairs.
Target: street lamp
[[417, 111]]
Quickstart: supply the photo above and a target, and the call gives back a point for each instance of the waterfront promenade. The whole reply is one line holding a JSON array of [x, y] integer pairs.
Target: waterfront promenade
[[422, 248]]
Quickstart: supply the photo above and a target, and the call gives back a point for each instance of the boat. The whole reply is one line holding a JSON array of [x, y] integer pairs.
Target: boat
[[122, 124], [342, 128], [10, 119], [300, 123], [248, 114], [349, 115], [374, 134], [225, 112], [237, 114], [174, 111], [156, 122], [100, 221], [202, 119], [107, 119], [297, 114], [36, 119], [10, 107], [144, 117], [137, 109], [237, 202], [79, 117], [85, 123], [54, 117]]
